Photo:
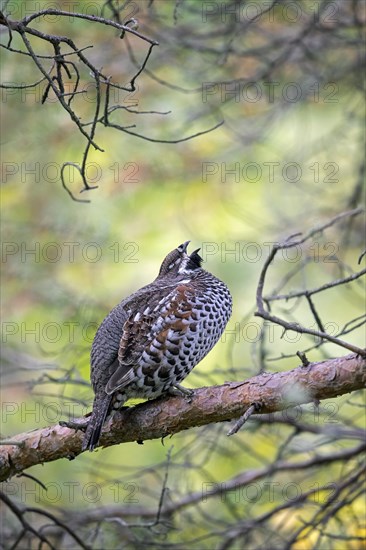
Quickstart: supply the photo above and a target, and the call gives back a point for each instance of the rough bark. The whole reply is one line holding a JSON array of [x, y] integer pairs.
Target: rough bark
[[167, 416]]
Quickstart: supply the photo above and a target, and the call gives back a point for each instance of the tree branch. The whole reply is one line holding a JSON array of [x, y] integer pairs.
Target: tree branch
[[263, 302], [167, 416]]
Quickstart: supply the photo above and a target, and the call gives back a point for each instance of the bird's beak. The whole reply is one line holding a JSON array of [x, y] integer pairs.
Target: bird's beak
[[183, 247]]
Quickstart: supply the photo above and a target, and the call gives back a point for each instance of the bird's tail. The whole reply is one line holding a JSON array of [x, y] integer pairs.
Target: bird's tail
[[100, 410]]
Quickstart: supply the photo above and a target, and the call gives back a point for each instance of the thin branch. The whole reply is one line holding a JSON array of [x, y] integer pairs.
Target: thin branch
[[296, 327], [308, 293], [56, 82], [172, 141], [243, 419], [19, 513]]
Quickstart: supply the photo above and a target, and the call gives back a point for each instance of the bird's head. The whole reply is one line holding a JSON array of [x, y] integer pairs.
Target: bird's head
[[178, 262]]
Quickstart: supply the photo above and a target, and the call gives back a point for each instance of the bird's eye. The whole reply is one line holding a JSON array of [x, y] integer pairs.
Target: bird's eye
[[170, 266]]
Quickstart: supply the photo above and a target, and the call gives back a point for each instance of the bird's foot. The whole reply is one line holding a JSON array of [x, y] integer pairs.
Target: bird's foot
[[181, 391], [75, 424]]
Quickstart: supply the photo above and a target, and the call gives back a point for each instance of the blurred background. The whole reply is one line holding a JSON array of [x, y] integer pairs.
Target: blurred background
[[283, 80]]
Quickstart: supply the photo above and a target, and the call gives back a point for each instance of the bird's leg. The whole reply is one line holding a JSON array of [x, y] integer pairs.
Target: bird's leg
[[181, 391]]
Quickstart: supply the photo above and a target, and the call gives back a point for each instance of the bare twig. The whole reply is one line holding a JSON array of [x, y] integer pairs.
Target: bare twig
[[290, 242], [248, 413]]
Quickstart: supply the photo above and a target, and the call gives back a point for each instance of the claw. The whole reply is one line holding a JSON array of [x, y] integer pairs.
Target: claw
[[180, 391], [74, 425]]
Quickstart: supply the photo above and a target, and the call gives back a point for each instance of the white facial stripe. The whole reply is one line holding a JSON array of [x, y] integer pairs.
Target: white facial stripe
[[170, 266], [183, 265]]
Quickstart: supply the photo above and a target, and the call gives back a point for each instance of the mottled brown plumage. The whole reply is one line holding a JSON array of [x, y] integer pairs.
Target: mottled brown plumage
[[152, 340]]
